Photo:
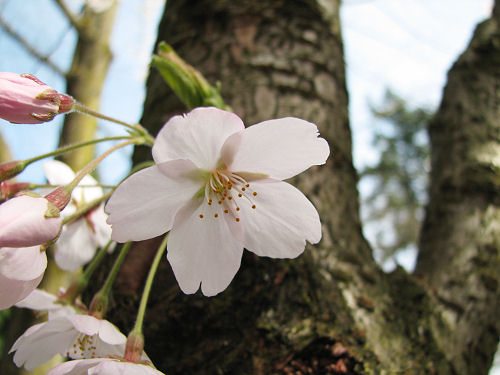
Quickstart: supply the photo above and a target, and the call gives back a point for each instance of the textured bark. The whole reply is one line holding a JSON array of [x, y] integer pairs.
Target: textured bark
[[85, 80], [460, 239], [332, 310]]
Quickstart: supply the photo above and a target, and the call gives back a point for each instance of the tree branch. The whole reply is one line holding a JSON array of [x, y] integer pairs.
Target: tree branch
[[29, 48], [73, 20]]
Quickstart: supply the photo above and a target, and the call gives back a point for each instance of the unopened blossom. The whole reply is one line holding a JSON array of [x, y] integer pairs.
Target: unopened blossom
[[21, 270], [103, 366], [24, 99], [28, 220], [75, 336], [217, 187], [79, 238]]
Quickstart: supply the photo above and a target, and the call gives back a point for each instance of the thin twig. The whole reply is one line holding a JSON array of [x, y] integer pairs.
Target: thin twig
[[29, 48], [73, 20]]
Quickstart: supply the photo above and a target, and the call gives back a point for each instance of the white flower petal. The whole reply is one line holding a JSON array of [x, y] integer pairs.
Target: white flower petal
[[282, 221], [24, 263], [37, 346], [110, 334], [77, 367], [203, 250], [57, 172], [197, 136], [39, 300], [101, 229], [279, 148], [13, 291], [125, 368], [85, 324], [144, 205], [76, 245]]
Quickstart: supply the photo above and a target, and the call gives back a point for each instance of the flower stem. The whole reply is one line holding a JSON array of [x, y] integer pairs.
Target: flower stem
[[136, 128], [99, 303], [86, 207], [79, 285], [147, 287], [90, 166], [62, 150]]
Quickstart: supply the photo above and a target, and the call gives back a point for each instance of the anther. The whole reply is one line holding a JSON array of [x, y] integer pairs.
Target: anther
[[237, 208], [254, 193], [247, 185], [253, 206], [226, 211], [237, 219], [216, 215], [243, 189], [240, 195], [201, 216], [220, 202]]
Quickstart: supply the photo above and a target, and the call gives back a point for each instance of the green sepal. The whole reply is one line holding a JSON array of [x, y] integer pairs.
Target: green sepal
[[188, 83], [52, 211]]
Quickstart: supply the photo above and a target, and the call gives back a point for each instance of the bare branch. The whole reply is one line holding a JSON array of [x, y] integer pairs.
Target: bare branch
[[73, 20], [29, 48]]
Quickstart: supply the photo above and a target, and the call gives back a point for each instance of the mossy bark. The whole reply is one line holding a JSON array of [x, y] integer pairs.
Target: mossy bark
[[332, 310]]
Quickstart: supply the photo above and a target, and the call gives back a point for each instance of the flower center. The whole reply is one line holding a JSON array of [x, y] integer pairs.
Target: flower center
[[225, 192], [83, 347]]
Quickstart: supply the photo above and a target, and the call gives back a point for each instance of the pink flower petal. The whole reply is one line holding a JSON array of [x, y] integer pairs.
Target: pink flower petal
[[13, 291], [203, 250], [24, 263], [279, 148], [197, 136], [23, 222], [144, 205]]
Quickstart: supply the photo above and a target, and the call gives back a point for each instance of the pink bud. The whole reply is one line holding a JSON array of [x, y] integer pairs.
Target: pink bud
[[28, 220], [24, 99]]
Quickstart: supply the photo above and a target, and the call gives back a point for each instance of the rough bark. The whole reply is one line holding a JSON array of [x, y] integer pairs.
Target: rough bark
[[85, 80], [332, 310], [459, 256]]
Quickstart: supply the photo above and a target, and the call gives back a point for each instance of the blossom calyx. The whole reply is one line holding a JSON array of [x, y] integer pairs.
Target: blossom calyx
[[24, 99], [11, 169], [134, 347], [9, 189], [28, 220]]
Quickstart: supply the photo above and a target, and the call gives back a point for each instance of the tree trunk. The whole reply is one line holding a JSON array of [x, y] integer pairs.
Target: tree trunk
[[85, 80], [332, 310]]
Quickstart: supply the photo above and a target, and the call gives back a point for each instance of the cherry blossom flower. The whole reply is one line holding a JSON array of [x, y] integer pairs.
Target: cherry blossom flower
[[21, 270], [103, 366], [28, 221], [217, 187], [26, 100], [75, 336], [40, 300], [79, 239]]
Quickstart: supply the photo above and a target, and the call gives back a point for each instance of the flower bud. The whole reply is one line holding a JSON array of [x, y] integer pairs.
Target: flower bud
[[24, 99], [11, 168], [28, 220]]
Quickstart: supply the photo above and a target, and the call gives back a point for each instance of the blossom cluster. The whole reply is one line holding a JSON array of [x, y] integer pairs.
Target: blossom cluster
[[211, 176]]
